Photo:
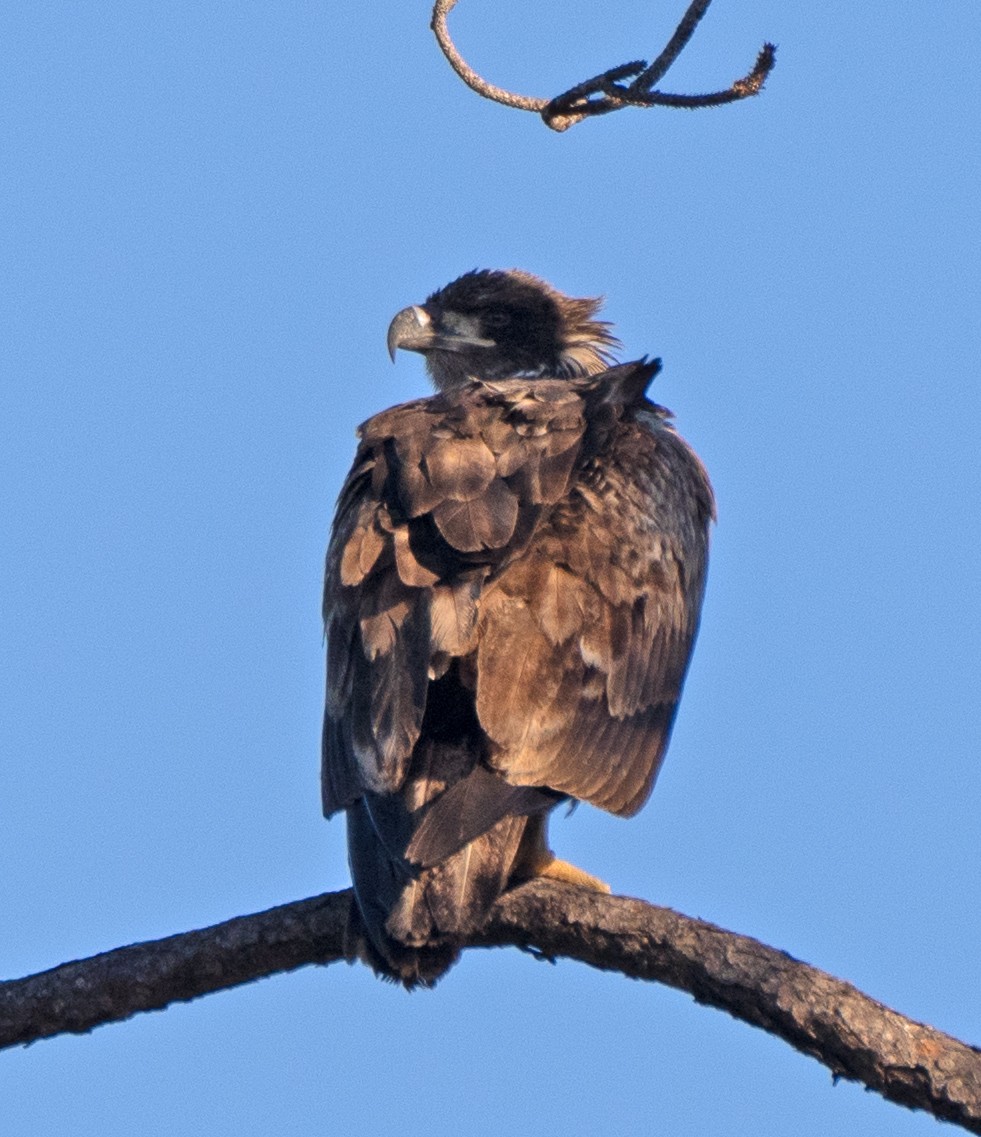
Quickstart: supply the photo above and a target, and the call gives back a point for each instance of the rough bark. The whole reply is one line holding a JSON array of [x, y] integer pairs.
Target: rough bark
[[115, 985], [854, 1036]]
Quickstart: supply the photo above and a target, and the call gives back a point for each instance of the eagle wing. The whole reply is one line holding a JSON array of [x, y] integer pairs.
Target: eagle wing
[[585, 641], [443, 492], [549, 535]]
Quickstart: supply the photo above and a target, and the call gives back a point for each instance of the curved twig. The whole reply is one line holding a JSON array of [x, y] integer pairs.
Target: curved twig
[[441, 9], [853, 1035], [605, 93]]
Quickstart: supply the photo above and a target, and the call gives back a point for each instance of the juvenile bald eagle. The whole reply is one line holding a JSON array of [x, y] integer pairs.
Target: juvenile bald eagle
[[512, 592]]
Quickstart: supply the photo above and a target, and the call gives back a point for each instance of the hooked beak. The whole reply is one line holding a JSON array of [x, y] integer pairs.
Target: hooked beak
[[412, 329]]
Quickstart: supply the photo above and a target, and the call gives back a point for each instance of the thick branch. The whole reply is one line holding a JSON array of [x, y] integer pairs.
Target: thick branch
[[116, 985], [605, 92], [854, 1036]]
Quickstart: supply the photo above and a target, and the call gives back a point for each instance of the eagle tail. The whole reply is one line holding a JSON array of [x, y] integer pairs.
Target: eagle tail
[[415, 918]]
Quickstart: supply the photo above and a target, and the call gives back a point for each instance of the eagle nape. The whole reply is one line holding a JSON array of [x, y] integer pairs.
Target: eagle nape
[[512, 592]]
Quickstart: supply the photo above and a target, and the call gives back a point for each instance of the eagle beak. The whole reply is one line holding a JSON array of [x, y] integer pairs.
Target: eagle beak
[[412, 329]]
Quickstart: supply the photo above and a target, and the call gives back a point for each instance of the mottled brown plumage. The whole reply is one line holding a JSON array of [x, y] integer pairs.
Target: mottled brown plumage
[[512, 592]]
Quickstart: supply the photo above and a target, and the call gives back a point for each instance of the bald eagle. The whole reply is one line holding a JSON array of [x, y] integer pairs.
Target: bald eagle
[[512, 592]]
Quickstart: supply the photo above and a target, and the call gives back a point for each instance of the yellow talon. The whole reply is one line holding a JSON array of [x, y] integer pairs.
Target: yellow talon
[[544, 863]]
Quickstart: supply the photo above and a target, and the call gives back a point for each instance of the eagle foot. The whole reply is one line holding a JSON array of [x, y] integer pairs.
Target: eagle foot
[[544, 863]]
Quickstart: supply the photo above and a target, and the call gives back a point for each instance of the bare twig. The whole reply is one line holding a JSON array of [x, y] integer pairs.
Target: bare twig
[[441, 10], [606, 92], [674, 47], [579, 102], [853, 1035]]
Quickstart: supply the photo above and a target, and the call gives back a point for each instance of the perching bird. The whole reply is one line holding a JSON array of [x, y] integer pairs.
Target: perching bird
[[512, 592]]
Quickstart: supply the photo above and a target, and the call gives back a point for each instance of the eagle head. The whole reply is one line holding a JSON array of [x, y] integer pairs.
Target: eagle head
[[492, 324]]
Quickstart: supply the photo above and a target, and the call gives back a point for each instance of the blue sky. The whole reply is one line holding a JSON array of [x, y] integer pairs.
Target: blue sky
[[208, 215]]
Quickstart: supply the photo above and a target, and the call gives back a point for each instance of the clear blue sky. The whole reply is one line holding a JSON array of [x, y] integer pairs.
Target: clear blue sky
[[208, 215]]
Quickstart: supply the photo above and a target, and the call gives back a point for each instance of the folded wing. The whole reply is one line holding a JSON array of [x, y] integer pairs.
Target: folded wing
[[548, 541]]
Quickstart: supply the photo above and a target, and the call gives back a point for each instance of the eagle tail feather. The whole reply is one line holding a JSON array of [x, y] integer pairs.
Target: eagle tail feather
[[415, 919], [469, 808]]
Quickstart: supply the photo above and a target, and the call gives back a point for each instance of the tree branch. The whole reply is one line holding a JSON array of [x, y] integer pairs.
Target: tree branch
[[605, 93], [853, 1035], [115, 985]]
